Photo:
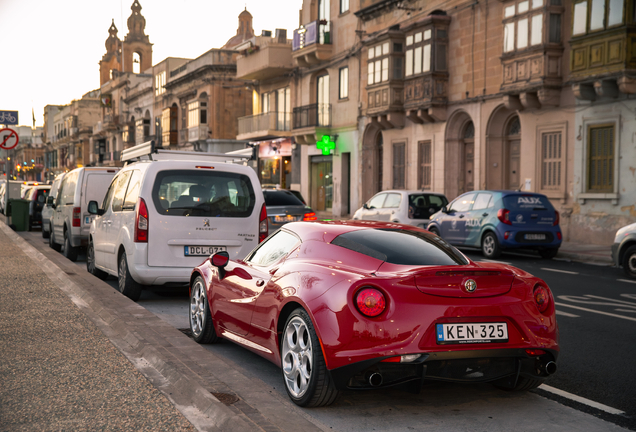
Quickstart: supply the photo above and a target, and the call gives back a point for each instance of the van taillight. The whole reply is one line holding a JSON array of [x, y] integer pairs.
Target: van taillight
[[556, 218], [504, 216], [77, 216], [263, 227], [141, 222]]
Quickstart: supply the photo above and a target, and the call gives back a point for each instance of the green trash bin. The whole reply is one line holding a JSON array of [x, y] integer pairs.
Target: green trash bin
[[19, 212]]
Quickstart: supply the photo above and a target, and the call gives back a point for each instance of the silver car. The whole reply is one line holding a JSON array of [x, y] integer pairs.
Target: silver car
[[409, 207], [624, 249]]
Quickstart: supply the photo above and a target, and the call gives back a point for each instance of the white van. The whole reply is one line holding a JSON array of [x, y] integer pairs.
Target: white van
[[164, 215], [70, 223], [47, 210]]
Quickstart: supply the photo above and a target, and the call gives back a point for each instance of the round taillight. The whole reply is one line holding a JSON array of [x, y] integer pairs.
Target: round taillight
[[541, 298], [370, 302]]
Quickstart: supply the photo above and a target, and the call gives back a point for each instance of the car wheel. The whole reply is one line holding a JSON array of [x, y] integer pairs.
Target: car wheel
[[629, 262], [127, 285], [55, 246], [90, 263], [490, 246], [434, 231], [45, 233], [307, 381], [548, 253], [201, 325], [70, 252]]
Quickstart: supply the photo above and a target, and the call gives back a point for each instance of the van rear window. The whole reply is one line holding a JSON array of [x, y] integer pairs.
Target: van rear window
[[203, 193], [527, 202]]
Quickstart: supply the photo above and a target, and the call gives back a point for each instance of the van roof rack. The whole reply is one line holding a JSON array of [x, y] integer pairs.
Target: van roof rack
[[149, 150]]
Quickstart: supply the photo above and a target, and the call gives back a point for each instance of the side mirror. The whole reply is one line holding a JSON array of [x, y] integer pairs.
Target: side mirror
[[365, 206], [445, 209], [94, 209], [53, 205], [220, 260]]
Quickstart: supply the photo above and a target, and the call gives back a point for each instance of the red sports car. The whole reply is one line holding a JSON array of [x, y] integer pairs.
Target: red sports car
[[360, 305]]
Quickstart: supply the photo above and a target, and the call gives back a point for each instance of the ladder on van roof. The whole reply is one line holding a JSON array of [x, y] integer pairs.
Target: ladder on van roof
[[148, 150]]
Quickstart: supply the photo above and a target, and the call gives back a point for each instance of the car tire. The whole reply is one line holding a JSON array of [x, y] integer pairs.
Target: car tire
[[548, 253], [307, 381], [201, 324], [490, 245], [629, 262], [90, 263], [126, 284], [434, 231], [70, 252], [55, 246]]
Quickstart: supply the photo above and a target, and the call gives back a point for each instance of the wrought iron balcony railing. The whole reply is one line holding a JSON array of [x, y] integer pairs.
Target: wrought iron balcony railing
[[314, 115]]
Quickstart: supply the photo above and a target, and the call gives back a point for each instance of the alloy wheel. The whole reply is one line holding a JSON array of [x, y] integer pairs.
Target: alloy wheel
[[197, 308], [489, 245], [297, 357]]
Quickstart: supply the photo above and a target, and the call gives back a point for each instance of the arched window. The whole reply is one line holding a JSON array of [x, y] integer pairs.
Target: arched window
[[136, 63], [467, 147], [512, 150]]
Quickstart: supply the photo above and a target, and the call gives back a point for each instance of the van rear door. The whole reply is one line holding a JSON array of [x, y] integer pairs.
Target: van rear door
[[201, 211]]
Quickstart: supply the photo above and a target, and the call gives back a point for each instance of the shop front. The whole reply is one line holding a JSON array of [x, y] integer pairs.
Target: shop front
[[321, 185], [275, 166]]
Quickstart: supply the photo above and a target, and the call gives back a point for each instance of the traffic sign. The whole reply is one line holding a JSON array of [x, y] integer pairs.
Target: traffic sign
[[8, 139], [8, 117]]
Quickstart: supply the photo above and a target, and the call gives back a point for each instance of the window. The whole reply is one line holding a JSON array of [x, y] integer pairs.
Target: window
[[275, 248], [197, 111], [142, 127], [483, 201], [344, 6], [462, 203], [551, 160], [377, 201], [601, 158], [120, 191], [132, 193], [378, 63], [343, 92], [425, 165], [523, 25], [283, 107], [392, 200], [399, 165], [160, 82], [418, 52], [596, 15]]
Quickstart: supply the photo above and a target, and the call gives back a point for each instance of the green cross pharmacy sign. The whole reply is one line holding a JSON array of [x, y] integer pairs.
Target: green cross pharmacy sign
[[326, 145]]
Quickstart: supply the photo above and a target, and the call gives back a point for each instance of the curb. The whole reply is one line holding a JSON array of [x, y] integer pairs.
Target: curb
[[176, 365]]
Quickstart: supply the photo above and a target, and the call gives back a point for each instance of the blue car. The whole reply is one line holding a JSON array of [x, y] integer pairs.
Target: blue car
[[500, 220]]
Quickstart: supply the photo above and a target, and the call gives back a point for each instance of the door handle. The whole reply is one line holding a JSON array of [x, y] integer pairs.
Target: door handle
[[260, 283], [485, 214], [461, 216]]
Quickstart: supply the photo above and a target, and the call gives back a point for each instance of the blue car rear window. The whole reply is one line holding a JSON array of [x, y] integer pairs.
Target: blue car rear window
[[527, 202], [405, 247]]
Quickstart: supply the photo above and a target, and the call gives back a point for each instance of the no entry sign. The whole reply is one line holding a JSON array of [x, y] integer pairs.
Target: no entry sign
[[8, 139]]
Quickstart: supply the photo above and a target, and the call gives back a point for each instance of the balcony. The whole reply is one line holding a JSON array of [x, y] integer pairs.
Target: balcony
[[312, 44], [264, 126], [198, 133], [112, 121], [310, 122], [265, 61]]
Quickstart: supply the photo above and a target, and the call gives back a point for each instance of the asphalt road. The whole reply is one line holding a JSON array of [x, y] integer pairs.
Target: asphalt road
[[597, 314]]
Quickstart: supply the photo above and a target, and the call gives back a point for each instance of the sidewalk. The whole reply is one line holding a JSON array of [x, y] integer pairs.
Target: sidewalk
[[77, 355]]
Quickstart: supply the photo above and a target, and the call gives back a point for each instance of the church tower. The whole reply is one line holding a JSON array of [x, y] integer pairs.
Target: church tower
[[244, 31], [137, 47], [112, 59]]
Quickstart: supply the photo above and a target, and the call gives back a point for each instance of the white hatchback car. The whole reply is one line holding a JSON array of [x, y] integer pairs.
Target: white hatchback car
[[163, 216], [409, 207]]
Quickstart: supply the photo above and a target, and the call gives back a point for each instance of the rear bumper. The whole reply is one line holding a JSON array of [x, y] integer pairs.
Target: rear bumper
[[502, 366]]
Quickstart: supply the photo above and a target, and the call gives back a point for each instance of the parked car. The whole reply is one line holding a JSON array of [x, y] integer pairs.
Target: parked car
[[500, 220], [363, 305], [402, 206], [283, 207], [162, 217], [36, 196], [47, 210], [624, 249], [296, 193], [70, 223]]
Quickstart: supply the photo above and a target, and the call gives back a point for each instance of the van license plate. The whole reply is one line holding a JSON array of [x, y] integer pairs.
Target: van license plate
[[534, 236], [459, 333], [203, 250]]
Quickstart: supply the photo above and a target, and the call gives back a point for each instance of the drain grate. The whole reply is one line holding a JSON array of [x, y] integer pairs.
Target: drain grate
[[225, 398], [186, 331]]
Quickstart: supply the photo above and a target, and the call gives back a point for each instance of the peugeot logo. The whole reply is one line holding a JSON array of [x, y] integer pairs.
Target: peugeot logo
[[470, 285], [206, 222]]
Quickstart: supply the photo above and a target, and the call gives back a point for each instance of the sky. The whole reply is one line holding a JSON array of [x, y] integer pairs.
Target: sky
[[52, 48]]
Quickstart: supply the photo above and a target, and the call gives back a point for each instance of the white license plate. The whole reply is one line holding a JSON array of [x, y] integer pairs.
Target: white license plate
[[286, 218], [534, 236], [458, 333], [203, 250]]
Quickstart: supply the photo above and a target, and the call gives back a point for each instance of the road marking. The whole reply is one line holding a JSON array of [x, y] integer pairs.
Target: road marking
[[632, 304], [496, 262], [595, 311], [627, 280], [582, 400], [559, 271], [567, 314], [625, 310]]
